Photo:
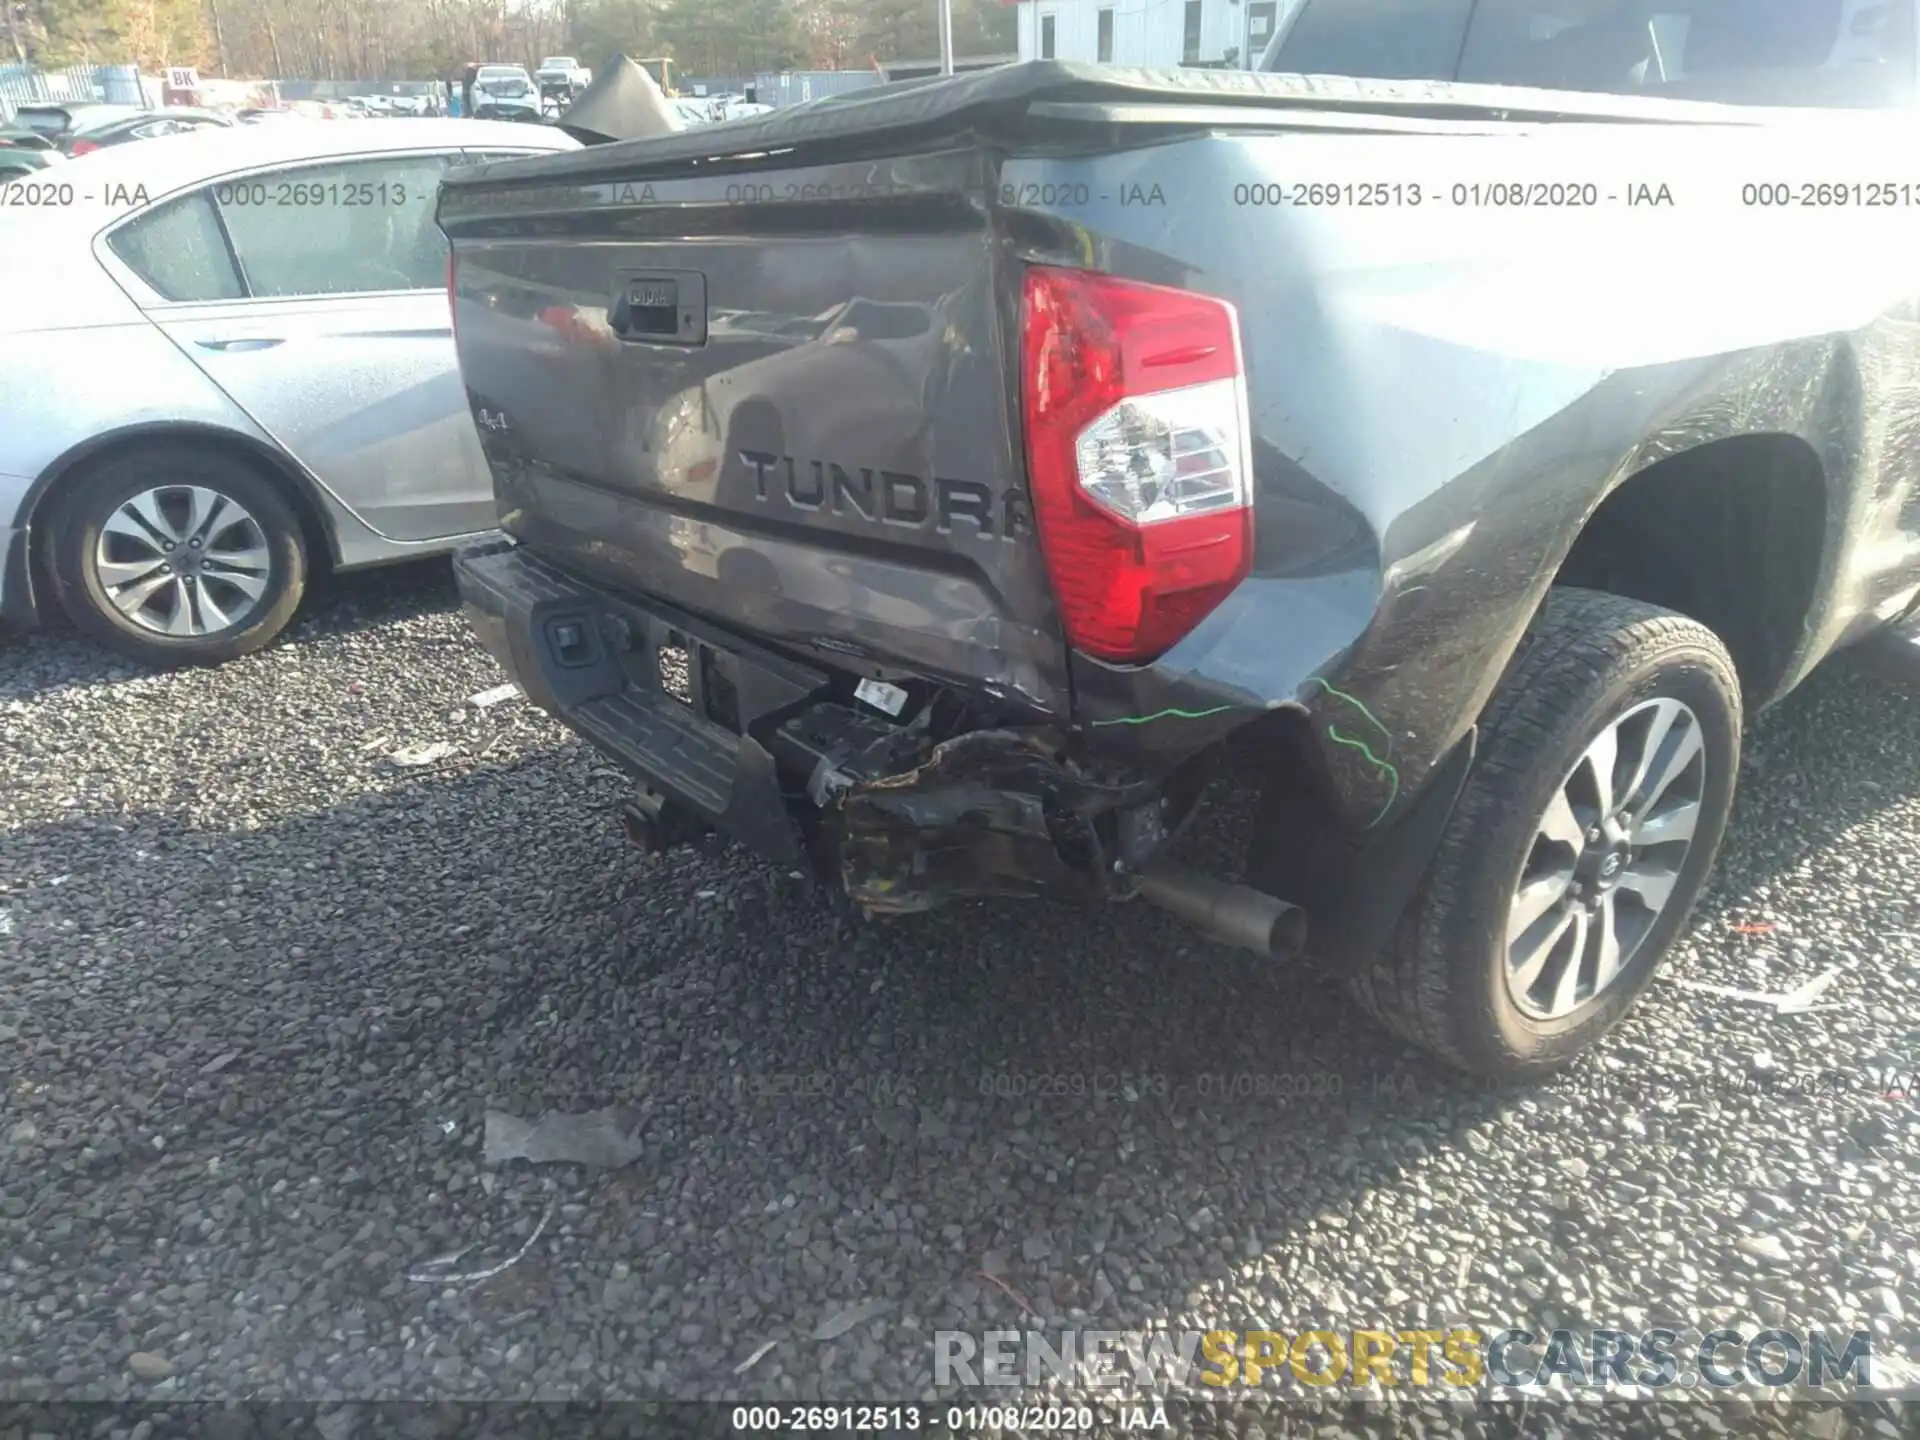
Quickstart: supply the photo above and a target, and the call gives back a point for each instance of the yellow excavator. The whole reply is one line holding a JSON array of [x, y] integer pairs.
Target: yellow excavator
[[660, 67]]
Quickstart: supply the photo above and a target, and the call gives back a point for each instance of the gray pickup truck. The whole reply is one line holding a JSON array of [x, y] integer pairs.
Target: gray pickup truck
[[946, 484]]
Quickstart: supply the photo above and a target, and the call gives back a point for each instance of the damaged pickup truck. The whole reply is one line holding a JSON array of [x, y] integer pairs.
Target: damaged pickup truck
[[937, 484]]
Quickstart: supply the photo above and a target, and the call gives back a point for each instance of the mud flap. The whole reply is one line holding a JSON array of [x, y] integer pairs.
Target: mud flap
[[1382, 875]]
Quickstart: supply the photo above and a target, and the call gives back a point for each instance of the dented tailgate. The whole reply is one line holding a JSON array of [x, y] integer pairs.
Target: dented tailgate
[[780, 398]]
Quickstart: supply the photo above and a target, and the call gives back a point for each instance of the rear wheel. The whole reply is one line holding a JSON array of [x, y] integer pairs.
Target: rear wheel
[[177, 556], [1579, 845]]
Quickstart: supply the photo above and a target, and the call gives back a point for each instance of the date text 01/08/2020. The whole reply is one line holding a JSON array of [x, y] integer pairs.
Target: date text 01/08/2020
[[1362, 194], [1462, 194]]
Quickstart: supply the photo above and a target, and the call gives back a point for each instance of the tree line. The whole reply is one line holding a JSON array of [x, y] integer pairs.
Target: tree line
[[377, 40]]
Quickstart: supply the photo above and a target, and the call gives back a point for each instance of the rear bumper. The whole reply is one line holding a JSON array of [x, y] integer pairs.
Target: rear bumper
[[777, 755], [578, 654]]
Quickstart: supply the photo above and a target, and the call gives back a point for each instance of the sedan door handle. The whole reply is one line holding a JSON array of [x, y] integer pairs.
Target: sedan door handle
[[231, 347]]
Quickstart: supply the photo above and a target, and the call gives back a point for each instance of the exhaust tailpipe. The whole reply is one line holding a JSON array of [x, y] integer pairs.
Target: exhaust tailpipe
[[1233, 914]]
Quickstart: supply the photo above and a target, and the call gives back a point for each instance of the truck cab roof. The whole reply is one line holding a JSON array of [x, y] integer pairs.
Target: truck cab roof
[[1828, 53]]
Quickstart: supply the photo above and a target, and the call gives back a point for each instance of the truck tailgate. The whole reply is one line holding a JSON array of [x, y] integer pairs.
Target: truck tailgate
[[768, 370], [784, 400]]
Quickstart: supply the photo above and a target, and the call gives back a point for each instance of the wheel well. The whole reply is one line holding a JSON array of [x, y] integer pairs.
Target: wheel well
[[1729, 533], [313, 526]]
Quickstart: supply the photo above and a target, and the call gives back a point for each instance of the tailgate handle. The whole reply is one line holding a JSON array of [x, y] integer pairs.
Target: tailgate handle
[[660, 307]]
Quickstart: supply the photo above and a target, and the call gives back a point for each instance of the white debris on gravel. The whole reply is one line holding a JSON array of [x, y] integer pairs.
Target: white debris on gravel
[[760, 1353], [1045, 1117], [430, 1274], [412, 757], [487, 699], [851, 1318], [600, 1139], [1797, 1001]]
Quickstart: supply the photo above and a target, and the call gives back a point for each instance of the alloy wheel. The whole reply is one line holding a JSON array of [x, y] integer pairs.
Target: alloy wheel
[[1606, 859], [183, 561]]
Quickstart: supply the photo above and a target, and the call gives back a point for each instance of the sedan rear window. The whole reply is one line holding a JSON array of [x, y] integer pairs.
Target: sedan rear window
[[336, 229], [43, 120], [177, 249]]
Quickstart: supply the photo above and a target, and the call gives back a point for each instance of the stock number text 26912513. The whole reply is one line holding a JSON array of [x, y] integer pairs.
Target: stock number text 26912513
[[825, 1419], [1821, 194], [1314, 194], [350, 194]]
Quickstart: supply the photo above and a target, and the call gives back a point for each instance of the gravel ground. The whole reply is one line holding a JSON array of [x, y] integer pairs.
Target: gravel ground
[[259, 986]]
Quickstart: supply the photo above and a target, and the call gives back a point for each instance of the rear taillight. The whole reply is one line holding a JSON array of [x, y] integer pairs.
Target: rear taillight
[[82, 147], [1137, 456]]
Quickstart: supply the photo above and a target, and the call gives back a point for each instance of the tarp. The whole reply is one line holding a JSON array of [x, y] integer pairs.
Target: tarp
[[622, 103], [924, 111]]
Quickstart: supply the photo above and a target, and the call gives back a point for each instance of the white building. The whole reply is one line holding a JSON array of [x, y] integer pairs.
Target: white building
[[1160, 34]]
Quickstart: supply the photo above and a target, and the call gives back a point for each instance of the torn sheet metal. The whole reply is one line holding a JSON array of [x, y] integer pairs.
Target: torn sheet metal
[[600, 1139], [989, 813]]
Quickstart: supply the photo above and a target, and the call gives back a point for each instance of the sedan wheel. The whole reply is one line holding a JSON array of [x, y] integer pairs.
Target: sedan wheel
[[183, 560], [177, 556]]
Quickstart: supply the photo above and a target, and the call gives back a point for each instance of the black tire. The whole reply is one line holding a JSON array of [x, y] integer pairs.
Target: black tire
[[90, 501], [1587, 660]]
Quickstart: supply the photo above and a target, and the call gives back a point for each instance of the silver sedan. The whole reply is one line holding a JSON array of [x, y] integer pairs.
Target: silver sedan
[[225, 361]]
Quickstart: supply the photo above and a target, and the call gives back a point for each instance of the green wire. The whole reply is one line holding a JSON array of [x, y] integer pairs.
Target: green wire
[[1163, 714], [1391, 773], [1342, 695], [1384, 766]]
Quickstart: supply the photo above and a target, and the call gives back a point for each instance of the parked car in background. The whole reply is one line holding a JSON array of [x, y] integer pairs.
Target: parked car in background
[[1760, 52], [148, 125], [246, 375], [24, 151], [562, 77], [60, 121], [505, 92]]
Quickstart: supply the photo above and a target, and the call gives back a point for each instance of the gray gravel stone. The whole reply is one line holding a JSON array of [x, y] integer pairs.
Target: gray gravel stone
[[147, 1366], [259, 989]]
